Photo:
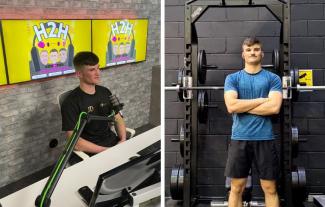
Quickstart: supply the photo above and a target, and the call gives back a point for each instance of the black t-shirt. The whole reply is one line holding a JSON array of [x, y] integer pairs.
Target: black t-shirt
[[77, 101]]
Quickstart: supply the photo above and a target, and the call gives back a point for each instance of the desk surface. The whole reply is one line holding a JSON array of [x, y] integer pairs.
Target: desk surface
[[82, 173]]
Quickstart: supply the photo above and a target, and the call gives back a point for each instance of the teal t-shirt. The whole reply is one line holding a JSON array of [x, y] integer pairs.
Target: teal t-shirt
[[250, 86]]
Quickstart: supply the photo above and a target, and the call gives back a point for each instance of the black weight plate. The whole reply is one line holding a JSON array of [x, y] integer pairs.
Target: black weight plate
[[201, 63], [180, 76], [294, 179], [276, 60], [177, 182], [205, 106], [202, 111], [294, 141], [302, 176], [299, 185], [199, 105], [181, 182], [181, 141], [173, 182]]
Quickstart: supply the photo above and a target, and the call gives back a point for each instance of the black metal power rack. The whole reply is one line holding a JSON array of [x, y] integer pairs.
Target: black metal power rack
[[194, 9]]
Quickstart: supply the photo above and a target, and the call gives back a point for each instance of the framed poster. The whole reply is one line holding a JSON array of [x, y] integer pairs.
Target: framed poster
[[38, 49], [119, 41], [3, 75]]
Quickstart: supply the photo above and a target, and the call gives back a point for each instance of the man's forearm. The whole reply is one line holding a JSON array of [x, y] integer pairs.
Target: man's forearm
[[244, 105], [120, 128], [265, 109], [86, 146], [272, 106]]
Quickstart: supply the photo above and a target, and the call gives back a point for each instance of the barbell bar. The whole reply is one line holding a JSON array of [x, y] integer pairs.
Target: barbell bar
[[184, 85], [298, 87]]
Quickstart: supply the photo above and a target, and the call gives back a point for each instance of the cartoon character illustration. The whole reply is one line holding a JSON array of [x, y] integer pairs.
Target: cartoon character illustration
[[52, 50], [121, 43], [122, 49], [63, 55], [127, 48], [54, 56], [115, 51], [44, 57]]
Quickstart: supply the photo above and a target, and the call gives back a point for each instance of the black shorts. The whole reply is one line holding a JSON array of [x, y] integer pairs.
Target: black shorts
[[242, 154]]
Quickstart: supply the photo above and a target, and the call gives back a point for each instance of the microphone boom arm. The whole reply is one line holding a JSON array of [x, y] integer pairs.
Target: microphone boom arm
[[44, 199]]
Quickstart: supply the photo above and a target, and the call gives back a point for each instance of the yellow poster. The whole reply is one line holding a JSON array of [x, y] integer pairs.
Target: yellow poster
[[43, 48], [3, 76], [119, 41], [306, 77]]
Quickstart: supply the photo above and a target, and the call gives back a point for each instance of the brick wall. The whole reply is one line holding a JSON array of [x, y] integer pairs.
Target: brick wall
[[29, 114], [220, 32]]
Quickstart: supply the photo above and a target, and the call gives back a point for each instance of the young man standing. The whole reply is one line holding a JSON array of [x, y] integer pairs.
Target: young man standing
[[89, 97], [251, 96]]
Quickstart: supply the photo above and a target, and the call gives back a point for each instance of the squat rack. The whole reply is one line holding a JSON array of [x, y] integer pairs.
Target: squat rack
[[194, 9]]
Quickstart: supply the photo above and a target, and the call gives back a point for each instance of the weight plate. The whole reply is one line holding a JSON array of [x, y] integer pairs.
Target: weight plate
[[294, 141], [180, 76], [302, 177], [202, 111], [299, 185], [294, 179], [276, 60], [177, 182], [201, 63], [181, 141], [173, 182]]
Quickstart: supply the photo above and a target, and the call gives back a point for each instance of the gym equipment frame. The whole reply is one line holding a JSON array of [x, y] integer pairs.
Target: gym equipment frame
[[194, 9]]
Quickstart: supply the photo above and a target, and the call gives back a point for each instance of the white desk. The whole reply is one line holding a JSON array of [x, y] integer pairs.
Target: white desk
[[82, 173]]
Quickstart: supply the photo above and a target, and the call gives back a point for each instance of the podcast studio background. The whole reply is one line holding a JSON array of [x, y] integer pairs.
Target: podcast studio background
[[29, 114]]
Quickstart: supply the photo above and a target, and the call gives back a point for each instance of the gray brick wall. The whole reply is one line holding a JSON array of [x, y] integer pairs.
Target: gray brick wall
[[221, 32], [29, 114]]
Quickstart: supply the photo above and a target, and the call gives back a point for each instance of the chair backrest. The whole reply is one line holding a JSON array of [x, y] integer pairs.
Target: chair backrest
[[62, 96]]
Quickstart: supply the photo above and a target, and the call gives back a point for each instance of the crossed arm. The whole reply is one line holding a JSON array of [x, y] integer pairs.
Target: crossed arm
[[258, 106], [87, 146]]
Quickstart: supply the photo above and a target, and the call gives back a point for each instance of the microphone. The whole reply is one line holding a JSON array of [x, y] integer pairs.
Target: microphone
[[113, 104], [117, 106]]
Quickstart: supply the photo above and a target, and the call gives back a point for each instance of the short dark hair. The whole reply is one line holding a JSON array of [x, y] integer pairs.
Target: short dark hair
[[54, 50], [85, 58], [251, 41]]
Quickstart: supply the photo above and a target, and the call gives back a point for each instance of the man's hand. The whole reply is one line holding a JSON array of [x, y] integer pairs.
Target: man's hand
[[121, 141]]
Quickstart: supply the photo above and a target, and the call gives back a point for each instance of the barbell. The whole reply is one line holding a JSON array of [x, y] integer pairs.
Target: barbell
[[203, 66], [184, 85], [179, 88]]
